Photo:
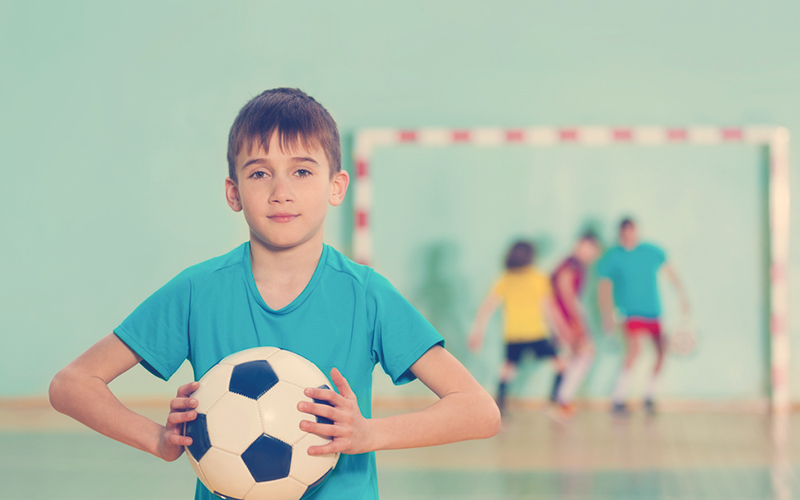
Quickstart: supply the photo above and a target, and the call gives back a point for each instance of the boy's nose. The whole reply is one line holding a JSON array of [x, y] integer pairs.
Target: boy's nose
[[280, 192]]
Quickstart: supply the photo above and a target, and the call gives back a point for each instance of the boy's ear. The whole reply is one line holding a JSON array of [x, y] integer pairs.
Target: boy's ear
[[339, 185], [232, 195]]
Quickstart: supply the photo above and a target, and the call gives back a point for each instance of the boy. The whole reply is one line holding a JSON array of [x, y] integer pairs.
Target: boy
[[629, 281], [568, 316], [526, 295], [284, 288]]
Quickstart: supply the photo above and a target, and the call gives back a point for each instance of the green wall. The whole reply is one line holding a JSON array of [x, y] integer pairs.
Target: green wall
[[113, 125]]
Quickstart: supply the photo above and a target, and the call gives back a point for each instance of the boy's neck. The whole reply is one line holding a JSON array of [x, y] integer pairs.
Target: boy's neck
[[281, 275]]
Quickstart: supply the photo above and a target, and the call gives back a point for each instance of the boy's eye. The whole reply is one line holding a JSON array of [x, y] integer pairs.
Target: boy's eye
[[258, 174], [303, 173]]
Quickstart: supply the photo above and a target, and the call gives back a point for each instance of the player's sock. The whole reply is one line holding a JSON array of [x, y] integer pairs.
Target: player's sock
[[621, 389], [573, 377], [556, 386], [652, 385]]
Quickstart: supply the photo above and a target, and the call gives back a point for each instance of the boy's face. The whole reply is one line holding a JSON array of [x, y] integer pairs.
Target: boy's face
[[284, 194], [629, 236], [587, 251]]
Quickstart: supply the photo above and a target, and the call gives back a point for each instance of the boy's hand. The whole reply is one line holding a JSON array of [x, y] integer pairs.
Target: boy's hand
[[181, 409], [350, 430], [475, 341], [609, 324]]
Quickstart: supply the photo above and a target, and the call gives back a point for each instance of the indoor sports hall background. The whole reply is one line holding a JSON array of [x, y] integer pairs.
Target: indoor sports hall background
[[113, 128]]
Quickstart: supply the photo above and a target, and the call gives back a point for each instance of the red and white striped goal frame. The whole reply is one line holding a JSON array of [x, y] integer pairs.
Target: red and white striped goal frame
[[775, 139]]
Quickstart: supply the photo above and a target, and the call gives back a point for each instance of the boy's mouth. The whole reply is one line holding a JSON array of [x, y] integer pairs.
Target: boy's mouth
[[283, 217]]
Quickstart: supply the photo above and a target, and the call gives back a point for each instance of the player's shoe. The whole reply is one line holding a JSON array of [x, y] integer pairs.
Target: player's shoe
[[566, 410], [620, 410], [560, 412]]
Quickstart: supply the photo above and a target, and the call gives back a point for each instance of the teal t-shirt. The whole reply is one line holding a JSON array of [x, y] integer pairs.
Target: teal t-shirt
[[634, 274], [348, 317]]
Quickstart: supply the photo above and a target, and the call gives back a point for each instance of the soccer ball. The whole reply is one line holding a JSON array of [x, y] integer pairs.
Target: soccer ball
[[246, 439]]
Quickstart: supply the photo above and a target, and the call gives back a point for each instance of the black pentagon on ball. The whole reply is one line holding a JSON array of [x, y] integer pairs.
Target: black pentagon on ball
[[197, 429], [323, 420], [268, 458], [252, 379]]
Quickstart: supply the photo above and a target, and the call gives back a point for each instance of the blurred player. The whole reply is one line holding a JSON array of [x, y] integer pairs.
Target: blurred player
[[629, 275], [526, 295], [569, 318]]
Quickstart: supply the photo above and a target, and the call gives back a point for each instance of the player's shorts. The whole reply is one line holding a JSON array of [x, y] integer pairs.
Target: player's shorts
[[541, 349], [635, 325]]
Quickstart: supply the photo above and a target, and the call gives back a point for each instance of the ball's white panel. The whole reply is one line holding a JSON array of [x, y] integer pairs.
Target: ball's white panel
[[212, 386], [248, 355], [280, 417], [233, 423], [297, 370], [226, 473], [197, 469], [306, 468], [280, 489]]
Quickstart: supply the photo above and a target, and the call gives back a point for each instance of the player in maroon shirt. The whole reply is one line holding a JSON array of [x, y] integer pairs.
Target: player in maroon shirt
[[569, 318]]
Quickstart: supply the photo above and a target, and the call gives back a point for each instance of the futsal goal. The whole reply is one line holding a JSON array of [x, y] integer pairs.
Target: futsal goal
[[773, 140]]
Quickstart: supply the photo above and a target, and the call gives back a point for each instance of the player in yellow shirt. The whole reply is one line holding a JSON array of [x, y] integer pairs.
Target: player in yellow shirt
[[527, 296]]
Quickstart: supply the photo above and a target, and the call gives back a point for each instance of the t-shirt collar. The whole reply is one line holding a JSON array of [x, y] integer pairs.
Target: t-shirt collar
[[251, 282]]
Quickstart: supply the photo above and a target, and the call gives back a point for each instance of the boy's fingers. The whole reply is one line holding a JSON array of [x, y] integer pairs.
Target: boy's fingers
[[179, 440], [341, 384], [181, 417], [320, 410], [324, 395], [187, 389], [324, 430], [337, 446], [182, 403]]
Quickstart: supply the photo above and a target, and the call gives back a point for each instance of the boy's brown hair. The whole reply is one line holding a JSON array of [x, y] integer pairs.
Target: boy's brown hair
[[520, 254], [295, 116]]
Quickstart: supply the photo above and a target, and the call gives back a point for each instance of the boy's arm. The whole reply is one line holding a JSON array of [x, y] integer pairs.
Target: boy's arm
[[678, 285], [566, 291], [80, 390], [555, 318], [485, 311], [605, 299], [464, 411]]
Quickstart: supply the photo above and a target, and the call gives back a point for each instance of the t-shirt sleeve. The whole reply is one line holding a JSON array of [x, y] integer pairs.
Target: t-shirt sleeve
[[158, 330], [605, 268], [499, 287], [401, 335], [659, 255]]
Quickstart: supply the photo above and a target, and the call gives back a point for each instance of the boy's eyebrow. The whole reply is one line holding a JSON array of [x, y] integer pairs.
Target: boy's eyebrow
[[294, 158], [304, 158]]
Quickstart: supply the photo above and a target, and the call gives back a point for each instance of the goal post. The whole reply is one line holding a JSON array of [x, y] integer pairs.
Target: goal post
[[774, 139]]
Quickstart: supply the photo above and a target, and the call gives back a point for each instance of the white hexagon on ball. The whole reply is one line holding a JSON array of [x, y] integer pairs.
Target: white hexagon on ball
[[233, 423], [297, 370], [307, 468], [226, 473], [211, 388], [284, 489], [280, 417]]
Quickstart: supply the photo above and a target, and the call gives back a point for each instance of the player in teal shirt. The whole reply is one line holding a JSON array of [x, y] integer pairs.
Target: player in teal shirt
[[284, 288], [634, 274], [629, 283]]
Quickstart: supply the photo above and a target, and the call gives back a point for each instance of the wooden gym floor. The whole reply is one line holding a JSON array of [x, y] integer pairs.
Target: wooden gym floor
[[686, 456]]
